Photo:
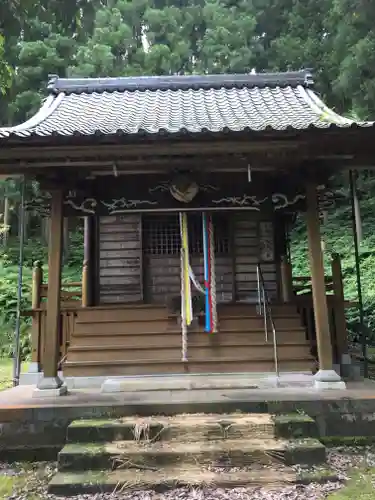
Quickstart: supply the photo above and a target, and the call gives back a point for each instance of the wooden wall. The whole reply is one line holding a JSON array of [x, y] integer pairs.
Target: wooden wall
[[120, 258], [125, 275]]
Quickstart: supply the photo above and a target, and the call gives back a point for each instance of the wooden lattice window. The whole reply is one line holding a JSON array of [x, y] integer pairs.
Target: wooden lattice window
[[161, 234]]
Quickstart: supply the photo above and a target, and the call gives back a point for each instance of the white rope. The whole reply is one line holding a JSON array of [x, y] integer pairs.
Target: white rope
[[213, 273], [183, 315]]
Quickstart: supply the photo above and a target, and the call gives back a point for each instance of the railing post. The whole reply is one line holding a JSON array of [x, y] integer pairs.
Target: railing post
[[286, 280], [36, 327], [37, 280], [86, 292], [85, 285], [339, 300]]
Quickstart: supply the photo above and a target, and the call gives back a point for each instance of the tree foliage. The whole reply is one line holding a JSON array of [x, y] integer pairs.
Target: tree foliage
[[130, 37]]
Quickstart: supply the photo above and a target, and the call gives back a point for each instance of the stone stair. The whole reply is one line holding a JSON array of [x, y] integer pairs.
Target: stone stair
[[185, 450]]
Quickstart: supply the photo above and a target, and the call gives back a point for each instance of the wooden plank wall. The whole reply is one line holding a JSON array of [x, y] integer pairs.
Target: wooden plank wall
[[120, 258], [121, 265], [162, 277], [248, 251]]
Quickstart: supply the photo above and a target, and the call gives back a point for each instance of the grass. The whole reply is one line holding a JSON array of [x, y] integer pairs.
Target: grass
[[361, 486], [26, 480], [6, 374]]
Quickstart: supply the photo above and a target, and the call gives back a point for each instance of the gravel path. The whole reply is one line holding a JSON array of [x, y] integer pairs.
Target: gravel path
[[339, 459]]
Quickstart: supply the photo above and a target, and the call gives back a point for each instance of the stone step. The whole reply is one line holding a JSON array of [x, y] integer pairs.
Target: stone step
[[91, 482], [232, 453], [180, 427]]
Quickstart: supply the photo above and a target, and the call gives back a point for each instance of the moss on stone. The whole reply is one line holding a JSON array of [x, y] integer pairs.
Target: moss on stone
[[292, 417], [83, 448], [93, 423], [305, 451], [331, 441], [295, 425], [317, 475]]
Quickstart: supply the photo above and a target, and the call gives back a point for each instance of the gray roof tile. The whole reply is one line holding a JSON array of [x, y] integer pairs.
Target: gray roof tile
[[193, 104]]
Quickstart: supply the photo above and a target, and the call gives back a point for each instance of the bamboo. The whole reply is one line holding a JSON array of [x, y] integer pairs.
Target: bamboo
[[340, 319]]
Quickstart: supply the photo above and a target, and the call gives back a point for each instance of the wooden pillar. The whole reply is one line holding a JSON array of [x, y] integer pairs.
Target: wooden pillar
[[340, 319], [86, 299], [286, 280], [37, 280], [323, 336], [51, 381]]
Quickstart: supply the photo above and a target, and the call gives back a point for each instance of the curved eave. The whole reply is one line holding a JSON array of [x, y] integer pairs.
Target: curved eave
[[27, 136], [54, 122]]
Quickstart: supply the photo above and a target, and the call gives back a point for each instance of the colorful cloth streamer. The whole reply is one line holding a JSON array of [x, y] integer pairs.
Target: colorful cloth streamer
[[188, 305], [206, 263]]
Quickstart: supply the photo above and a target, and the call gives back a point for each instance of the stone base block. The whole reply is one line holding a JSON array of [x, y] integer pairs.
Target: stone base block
[[50, 393], [328, 379], [322, 386], [34, 368]]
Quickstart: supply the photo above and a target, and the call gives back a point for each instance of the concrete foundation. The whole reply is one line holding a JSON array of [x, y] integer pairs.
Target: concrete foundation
[[207, 382], [328, 380]]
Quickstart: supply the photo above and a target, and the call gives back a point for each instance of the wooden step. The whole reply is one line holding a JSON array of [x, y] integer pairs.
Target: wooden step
[[173, 338], [243, 309], [115, 326], [213, 365], [248, 321], [196, 352], [257, 322], [121, 314]]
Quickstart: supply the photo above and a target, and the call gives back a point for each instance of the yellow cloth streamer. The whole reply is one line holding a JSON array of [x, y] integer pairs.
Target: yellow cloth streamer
[[186, 265]]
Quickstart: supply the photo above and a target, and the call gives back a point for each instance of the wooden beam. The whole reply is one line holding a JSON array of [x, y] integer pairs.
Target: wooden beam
[[52, 344], [323, 335], [146, 149]]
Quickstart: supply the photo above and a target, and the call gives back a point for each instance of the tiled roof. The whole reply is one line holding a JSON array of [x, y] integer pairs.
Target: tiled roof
[[180, 104]]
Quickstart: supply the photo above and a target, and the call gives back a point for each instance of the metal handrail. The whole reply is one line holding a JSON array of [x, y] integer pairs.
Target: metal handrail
[[264, 309]]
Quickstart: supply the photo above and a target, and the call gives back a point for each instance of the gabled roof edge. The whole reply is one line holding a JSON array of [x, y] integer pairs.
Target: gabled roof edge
[[179, 82]]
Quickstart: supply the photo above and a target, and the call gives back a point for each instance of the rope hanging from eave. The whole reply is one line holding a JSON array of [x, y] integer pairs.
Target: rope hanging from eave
[[212, 275]]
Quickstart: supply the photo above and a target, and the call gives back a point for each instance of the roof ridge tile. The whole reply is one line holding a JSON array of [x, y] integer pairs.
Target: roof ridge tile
[[179, 82]]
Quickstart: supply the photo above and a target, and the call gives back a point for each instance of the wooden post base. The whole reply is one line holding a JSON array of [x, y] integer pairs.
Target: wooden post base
[[328, 380], [50, 387]]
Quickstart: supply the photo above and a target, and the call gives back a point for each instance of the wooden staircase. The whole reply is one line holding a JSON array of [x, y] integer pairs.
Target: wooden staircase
[[145, 340]]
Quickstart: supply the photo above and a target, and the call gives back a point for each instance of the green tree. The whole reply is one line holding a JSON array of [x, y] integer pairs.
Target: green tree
[[5, 70], [352, 56], [115, 46]]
